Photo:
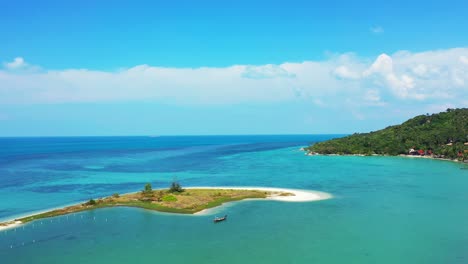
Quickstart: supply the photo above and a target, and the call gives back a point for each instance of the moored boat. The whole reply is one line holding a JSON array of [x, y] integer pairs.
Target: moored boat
[[219, 219]]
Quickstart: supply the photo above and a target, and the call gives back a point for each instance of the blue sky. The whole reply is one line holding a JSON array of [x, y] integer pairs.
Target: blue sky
[[212, 67]]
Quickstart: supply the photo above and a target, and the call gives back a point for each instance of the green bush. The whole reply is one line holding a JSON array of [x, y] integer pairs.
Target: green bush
[[148, 191], [91, 202], [148, 187], [169, 198], [175, 187]]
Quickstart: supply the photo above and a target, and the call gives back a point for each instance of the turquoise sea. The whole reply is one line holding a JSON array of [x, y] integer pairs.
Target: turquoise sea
[[384, 210]]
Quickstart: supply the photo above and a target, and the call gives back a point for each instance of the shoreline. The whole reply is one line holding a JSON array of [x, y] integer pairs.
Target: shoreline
[[383, 155], [298, 194], [275, 194], [429, 157], [8, 225]]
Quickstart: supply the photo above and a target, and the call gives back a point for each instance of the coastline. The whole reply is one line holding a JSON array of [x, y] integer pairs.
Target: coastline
[[429, 157], [10, 224], [276, 194], [381, 155], [298, 195]]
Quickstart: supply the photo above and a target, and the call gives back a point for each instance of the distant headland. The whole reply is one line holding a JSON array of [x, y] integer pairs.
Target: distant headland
[[443, 135]]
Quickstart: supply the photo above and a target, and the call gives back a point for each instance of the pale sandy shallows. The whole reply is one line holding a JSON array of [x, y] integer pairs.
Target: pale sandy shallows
[[9, 225], [298, 195]]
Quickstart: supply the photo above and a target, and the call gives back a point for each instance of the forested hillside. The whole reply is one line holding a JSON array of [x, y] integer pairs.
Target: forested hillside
[[444, 135]]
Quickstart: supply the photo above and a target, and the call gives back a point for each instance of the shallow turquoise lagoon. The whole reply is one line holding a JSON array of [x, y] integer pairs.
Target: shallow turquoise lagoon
[[384, 210]]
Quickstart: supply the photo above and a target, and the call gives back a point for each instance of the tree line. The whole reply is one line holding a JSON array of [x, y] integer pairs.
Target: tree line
[[441, 135]]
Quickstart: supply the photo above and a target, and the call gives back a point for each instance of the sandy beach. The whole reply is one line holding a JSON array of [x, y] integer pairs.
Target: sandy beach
[[298, 195], [9, 225], [380, 155], [426, 157]]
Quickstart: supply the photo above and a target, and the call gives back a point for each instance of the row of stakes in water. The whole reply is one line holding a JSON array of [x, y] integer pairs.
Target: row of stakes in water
[[33, 226]]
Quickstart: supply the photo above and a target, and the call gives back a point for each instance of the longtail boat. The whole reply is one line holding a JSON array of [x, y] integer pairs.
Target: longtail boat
[[219, 219]]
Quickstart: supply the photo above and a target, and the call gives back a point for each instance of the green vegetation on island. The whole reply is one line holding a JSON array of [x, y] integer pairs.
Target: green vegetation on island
[[172, 200], [442, 135]]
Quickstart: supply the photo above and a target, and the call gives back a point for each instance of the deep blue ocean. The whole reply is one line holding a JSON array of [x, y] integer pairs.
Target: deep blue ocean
[[384, 210]]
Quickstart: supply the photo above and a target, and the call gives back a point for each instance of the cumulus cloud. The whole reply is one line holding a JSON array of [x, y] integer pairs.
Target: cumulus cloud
[[425, 71], [382, 65], [344, 72], [17, 63], [434, 77], [383, 69], [458, 77], [464, 59], [20, 65], [266, 72]]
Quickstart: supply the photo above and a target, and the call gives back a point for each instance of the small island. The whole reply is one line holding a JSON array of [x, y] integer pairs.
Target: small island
[[178, 200], [443, 135]]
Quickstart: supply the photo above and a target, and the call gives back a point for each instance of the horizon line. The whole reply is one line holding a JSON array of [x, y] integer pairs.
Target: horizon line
[[181, 135]]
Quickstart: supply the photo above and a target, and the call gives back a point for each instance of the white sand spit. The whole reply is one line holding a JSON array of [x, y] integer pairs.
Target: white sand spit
[[298, 195], [9, 225]]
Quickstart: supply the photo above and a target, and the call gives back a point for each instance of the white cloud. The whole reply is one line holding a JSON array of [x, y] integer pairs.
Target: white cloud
[[377, 30], [434, 77], [458, 77], [464, 59], [420, 70], [344, 72], [383, 69], [266, 72], [372, 95], [425, 71], [17, 63], [382, 65]]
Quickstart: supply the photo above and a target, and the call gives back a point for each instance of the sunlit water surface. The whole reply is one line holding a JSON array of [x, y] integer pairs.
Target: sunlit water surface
[[384, 210]]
